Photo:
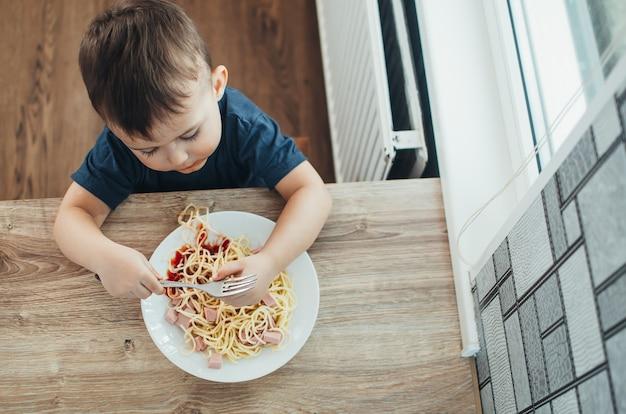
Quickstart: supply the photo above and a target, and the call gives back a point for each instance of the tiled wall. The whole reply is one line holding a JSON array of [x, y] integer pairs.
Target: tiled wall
[[552, 299]]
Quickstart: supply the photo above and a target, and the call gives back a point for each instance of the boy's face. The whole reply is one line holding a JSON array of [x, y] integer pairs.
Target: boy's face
[[184, 142]]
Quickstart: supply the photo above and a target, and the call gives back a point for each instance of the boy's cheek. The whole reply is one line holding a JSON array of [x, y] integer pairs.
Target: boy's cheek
[[206, 147], [155, 165]]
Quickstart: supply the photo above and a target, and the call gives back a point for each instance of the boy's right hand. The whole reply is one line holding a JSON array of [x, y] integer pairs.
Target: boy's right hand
[[126, 273]]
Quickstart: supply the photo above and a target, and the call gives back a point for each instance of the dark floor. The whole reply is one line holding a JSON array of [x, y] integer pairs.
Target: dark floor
[[271, 48]]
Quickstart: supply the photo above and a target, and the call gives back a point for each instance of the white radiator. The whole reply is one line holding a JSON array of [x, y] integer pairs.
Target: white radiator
[[363, 138]]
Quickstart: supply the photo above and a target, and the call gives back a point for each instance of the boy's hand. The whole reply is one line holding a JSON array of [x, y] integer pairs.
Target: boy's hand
[[126, 273], [261, 265]]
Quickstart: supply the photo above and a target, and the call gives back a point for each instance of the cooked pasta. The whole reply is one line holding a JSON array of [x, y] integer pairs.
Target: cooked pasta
[[212, 326]]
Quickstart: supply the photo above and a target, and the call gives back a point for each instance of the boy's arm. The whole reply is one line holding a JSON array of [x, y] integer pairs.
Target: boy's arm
[[124, 272], [304, 215]]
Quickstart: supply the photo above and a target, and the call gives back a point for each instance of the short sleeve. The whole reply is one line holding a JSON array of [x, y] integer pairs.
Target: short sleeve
[[109, 171], [269, 154]]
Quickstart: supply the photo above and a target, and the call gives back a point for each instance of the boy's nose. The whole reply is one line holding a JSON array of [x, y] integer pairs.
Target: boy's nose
[[178, 157]]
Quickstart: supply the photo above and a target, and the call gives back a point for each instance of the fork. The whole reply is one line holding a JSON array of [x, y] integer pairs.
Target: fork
[[229, 287]]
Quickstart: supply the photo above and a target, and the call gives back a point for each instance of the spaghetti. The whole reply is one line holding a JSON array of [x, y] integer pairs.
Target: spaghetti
[[210, 325]]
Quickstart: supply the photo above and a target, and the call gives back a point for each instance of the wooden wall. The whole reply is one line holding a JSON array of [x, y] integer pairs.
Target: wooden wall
[[271, 48]]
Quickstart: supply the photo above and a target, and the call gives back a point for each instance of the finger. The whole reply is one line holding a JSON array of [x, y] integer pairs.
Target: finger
[[258, 249], [153, 285], [242, 299], [230, 268], [241, 276], [153, 270], [152, 281], [236, 301], [238, 288], [141, 292]]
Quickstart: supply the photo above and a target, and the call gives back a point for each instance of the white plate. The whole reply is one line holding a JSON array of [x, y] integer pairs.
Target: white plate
[[169, 338]]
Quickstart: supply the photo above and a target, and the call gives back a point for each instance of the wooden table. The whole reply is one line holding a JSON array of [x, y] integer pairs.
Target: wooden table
[[386, 339]]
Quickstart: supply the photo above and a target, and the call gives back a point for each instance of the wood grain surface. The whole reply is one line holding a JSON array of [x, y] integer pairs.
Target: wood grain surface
[[386, 340], [47, 125]]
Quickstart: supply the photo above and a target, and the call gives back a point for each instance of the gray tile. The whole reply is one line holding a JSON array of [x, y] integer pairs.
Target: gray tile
[[576, 165], [612, 303], [606, 127], [534, 353], [548, 301], [501, 381], [502, 260], [572, 225], [616, 348], [544, 409], [482, 366], [566, 403], [558, 362], [595, 395], [622, 110], [603, 215], [486, 399], [555, 221], [507, 294], [518, 361], [580, 313], [530, 247], [485, 279]]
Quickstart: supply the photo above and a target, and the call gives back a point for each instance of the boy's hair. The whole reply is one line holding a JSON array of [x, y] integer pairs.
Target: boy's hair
[[135, 59]]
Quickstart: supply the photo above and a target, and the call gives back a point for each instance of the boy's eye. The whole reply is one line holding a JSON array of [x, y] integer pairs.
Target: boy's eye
[[192, 136], [149, 152]]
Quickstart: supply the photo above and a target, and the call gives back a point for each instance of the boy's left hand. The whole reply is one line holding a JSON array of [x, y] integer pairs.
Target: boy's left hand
[[260, 264]]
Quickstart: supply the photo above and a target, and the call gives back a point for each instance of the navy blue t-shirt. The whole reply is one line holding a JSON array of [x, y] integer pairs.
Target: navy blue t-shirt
[[252, 153]]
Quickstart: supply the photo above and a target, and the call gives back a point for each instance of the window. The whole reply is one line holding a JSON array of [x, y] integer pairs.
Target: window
[[565, 50]]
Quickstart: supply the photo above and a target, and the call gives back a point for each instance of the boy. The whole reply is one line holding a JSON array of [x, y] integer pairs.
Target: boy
[[172, 124]]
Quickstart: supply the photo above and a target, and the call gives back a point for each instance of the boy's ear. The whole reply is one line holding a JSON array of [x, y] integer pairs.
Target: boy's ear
[[219, 79]]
